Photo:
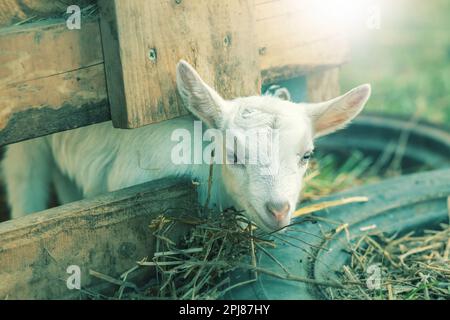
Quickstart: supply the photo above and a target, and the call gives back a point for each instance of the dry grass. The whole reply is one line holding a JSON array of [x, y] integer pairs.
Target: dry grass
[[410, 267], [327, 176]]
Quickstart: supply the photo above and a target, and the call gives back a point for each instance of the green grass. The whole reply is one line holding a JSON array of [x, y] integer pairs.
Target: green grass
[[407, 61]]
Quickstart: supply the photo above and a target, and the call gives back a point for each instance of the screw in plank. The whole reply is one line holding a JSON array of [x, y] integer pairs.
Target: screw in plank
[[177, 1], [152, 55], [227, 40]]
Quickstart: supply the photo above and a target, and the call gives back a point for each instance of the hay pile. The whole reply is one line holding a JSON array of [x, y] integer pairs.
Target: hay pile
[[410, 267], [199, 266]]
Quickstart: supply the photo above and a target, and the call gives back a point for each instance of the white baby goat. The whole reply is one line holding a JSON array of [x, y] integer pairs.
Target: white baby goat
[[89, 161]]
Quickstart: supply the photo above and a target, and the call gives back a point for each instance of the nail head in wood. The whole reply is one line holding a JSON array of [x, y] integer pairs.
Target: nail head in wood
[[153, 55]]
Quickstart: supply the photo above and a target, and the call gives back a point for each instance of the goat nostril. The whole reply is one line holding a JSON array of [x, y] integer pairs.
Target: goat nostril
[[278, 209]]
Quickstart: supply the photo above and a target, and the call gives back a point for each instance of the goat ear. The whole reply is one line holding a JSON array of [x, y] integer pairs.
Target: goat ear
[[334, 114], [201, 100]]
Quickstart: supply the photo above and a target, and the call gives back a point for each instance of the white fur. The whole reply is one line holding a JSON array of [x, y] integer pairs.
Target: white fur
[[85, 162]]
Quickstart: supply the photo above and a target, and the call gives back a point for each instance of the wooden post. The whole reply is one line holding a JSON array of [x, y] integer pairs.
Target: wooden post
[[143, 41]]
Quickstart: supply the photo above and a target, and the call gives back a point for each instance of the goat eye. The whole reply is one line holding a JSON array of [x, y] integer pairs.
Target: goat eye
[[306, 157]]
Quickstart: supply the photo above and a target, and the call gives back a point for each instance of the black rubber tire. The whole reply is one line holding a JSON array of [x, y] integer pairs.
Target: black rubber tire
[[396, 205], [427, 147]]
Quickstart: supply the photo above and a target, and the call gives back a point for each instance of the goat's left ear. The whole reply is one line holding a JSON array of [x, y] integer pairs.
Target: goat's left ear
[[334, 114], [198, 97]]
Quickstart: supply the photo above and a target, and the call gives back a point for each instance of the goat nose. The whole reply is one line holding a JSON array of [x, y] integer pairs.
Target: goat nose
[[278, 209]]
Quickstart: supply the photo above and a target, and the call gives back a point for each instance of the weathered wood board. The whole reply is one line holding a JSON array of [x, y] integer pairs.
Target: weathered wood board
[[59, 53], [47, 48], [46, 83], [323, 85], [107, 234], [294, 40], [139, 61]]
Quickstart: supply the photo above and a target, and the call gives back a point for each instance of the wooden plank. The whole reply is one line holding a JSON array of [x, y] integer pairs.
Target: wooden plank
[[44, 49], [107, 234], [17, 11], [140, 53], [295, 41], [303, 59], [323, 85], [52, 104], [47, 84]]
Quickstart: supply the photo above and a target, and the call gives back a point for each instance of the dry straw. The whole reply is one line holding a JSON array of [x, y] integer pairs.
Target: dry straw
[[411, 267]]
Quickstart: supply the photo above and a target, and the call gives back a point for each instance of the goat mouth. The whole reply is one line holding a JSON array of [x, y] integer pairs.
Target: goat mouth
[[261, 222]]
